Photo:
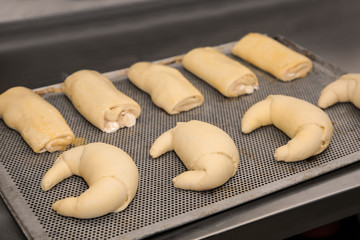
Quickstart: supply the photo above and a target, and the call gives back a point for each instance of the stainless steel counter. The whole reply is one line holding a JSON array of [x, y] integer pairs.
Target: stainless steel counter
[[40, 50]]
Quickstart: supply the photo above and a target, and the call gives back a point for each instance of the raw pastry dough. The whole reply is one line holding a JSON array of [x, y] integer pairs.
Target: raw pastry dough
[[207, 152], [309, 128], [111, 174], [220, 71], [344, 89], [272, 56], [168, 88], [40, 124], [100, 102]]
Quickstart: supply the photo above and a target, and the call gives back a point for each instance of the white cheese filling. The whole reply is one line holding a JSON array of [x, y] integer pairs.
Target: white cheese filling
[[248, 89], [125, 119]]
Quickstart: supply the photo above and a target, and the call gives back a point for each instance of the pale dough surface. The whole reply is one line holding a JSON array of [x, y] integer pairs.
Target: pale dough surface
[[309, 127], [228, 76], [344, 89], [168, 88], [272, 56], [40, 124], [100, 102], [209, 154], [110, 172]]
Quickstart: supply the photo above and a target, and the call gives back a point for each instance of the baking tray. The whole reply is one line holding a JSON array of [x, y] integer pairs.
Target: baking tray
[[158, 206]]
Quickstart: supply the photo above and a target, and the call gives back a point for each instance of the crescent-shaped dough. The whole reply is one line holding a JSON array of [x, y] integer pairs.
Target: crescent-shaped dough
[[272, 56], [168, 88], [111, 174], [228, 76], [309, 128], [344, 89], [209, 154], [100, 102], [40, 124]]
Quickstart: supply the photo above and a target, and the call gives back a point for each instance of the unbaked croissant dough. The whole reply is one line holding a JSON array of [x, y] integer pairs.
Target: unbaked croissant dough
[[220, 71], [168, 88], [100, 102], [344, 89], [209, 154], [272, 56], [40, 124], [309, 128], [111, 174]]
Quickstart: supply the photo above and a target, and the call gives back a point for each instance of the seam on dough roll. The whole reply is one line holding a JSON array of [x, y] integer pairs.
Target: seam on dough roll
[[40, 124], [234, 160], [187, 104], [168, 88], [228, 76], [100, 102], [272, 56]]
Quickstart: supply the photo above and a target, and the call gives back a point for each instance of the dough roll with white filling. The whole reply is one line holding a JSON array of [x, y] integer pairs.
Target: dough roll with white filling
[[100, 102], [272, 56], [40, 124], [228, 76], [168, 88]]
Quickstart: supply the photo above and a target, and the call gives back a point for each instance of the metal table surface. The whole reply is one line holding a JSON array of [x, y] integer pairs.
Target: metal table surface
[[40, 51]]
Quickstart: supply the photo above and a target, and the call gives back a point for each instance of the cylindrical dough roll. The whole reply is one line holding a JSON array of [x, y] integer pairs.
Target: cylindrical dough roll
[[168, 88], [226, 75], [100, 102], [272, 56], [40, 124]]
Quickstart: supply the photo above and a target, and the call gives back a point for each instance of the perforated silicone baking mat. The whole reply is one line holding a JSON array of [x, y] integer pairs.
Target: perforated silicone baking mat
[[157, 205]]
